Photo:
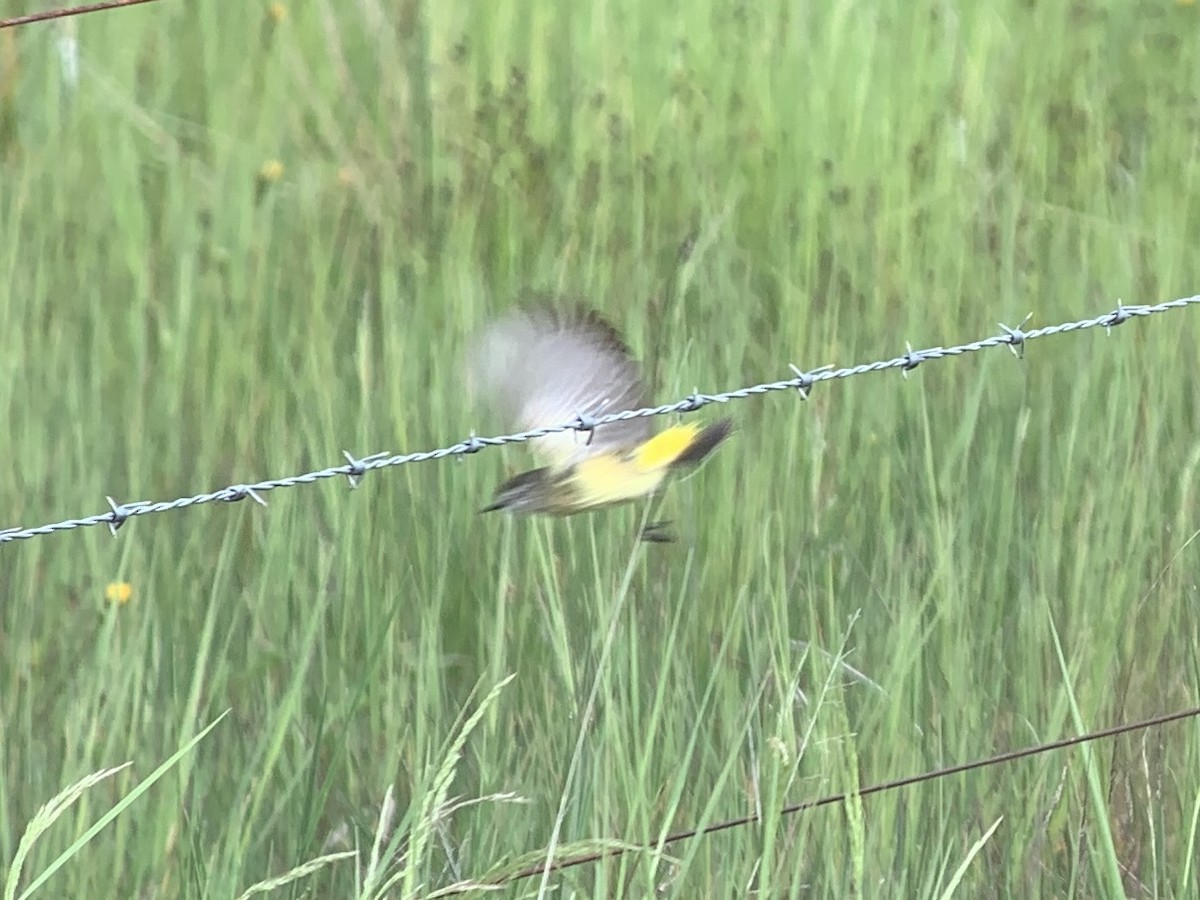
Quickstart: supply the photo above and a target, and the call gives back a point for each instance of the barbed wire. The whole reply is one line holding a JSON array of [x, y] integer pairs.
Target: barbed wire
[[1015, 339]]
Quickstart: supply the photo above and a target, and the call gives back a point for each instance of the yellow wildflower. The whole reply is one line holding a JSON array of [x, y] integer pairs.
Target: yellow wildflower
[[118, 592], [271, 170]]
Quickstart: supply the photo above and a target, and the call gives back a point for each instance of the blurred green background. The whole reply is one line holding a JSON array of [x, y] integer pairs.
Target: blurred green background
[[236, 242]]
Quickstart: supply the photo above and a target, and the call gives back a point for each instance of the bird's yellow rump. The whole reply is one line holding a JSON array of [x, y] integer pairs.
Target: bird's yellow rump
[[544, 368]]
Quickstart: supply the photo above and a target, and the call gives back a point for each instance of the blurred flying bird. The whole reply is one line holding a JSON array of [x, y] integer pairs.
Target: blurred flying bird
[[544, 367]]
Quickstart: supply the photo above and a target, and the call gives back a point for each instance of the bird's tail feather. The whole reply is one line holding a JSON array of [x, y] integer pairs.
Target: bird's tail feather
[[703, 444]]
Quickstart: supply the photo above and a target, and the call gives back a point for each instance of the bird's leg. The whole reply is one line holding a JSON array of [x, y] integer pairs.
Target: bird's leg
[[656, 532]]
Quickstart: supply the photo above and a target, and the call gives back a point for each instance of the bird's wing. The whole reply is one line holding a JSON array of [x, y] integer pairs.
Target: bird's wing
[[542, 367]]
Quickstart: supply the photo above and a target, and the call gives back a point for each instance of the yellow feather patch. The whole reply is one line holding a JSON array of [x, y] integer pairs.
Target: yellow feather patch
[[610, 478], [664, 448]]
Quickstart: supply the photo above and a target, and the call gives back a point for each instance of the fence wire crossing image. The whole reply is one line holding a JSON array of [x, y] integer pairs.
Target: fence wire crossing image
[[1014, 338]]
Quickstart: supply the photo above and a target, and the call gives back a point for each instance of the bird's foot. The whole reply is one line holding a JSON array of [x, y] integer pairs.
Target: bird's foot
[[658, 533]]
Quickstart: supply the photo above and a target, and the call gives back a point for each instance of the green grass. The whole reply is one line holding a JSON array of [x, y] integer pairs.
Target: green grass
[[1002, 547]]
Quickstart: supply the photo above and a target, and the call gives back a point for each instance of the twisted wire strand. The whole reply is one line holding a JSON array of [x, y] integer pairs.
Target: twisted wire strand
[[1014, 338]]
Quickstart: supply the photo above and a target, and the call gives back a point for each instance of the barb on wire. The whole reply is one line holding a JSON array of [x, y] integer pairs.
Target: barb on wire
[[569, 862], [47, 15], [1015, 339]]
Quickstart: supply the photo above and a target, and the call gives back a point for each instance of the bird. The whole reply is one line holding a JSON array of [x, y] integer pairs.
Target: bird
[[543, 366]]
